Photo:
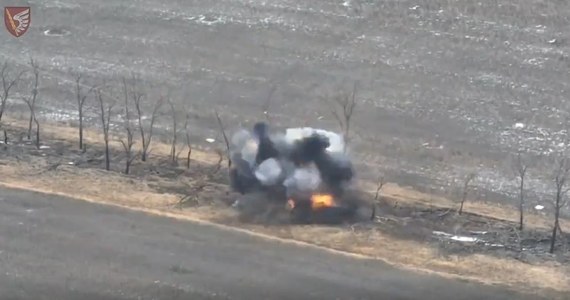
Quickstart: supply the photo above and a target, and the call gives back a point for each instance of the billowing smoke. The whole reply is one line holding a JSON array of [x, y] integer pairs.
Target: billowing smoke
[[294, 164]]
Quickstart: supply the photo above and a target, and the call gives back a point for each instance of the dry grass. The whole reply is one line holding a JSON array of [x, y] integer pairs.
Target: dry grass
[[407, 195], [95, 138], [110, 188], [391, 191], [113, 188]]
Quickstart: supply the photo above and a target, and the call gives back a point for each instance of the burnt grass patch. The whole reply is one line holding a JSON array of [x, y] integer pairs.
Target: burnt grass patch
[[206, 185], [466, 234]]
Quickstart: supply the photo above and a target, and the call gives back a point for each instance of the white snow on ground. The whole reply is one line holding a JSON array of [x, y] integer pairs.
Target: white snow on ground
[[531, 137], [466, 239]]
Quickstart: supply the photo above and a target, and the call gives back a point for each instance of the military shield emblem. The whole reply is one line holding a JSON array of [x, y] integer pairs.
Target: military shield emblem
[[17, 20]]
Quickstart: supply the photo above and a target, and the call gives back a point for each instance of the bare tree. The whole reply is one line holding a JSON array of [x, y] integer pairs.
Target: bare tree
[[128, 147], [5, 139], [146, 135], [220, 154], [226, 141], [466, 183], [267, 104], [31, 103], [173, 156], [81, 98], [188, 145], [379, 185], [343, 110], [129, 142], [105, 123], [560, 180], [520, 168], [7, 85]]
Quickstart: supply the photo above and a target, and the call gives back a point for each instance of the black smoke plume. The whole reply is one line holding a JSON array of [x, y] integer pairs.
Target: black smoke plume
[[293, 165]]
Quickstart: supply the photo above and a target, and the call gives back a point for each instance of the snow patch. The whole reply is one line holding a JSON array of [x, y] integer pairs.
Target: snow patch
[[56, 32], [465, 239]]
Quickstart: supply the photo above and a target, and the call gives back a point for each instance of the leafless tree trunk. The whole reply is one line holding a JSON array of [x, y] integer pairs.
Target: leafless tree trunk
[[267, 105], [146, 136], [220, 160], [81, 98], [186, 131], [226, 141], [468, 180], [5, 139], [31, 103], [379, 185], [561, 176], [105, 123], [174, 133], [343, 110], [520, 171], [37, 131], [7, 85], [129, 142]]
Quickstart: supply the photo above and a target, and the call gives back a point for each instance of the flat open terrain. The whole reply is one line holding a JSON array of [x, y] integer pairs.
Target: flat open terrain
[[444, 88], [442, 85], [411, 230], [58, 248]]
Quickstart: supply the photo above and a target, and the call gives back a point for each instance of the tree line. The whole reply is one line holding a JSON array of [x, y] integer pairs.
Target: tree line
[[137, 123]]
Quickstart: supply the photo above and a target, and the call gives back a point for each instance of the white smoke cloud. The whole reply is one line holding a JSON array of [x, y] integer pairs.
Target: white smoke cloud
[[295, 134], [303, 179], [282, 171], [245, 144], [269, 172]]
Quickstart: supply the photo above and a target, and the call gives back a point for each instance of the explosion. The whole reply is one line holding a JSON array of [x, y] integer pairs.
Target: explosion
[[304, 169], [319, 201]]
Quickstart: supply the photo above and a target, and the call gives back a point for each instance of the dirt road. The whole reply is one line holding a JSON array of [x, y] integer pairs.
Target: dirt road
[[58, 248]]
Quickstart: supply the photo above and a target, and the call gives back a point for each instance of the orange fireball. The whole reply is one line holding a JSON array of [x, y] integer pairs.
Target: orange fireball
[[319, 201]]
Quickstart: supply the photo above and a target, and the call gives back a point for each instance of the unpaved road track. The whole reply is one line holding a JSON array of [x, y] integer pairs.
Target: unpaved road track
[[441, 83], [58, 248]]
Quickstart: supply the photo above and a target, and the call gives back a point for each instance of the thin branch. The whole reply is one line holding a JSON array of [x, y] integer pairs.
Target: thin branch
[[226, 141], [520, 170], [105, 123], [188, 145], [7, 85], [220, 160], [379, 184], [174, 132], [343, 110], [5, 139], [468, 179], [267, 105], [129, 143], [560, 180], [81, 99], [146, 137]]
